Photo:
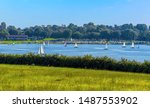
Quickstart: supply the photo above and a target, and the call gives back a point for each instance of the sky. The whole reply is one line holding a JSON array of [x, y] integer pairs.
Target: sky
[[26, 13]]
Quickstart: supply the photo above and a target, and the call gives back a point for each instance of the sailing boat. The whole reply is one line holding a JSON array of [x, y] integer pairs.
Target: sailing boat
[[124, 45], [133, 45], [41, 50], [76, 45], [44, 43], [65, 44], [106, 47]]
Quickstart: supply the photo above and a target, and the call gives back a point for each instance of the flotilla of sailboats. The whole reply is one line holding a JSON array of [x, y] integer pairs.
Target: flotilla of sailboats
[[42, 52]]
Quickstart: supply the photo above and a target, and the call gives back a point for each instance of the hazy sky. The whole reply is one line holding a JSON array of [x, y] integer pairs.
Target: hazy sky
[[23, 13]]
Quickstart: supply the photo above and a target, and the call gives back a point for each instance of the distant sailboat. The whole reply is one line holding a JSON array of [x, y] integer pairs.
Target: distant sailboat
[[133, 45], [44, 43], [65, 44], [71, 39], [76, 45], [41, 50], [124, 45], [106, 47]]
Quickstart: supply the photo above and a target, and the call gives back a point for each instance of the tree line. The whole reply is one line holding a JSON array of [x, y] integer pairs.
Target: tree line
[[128, 32]]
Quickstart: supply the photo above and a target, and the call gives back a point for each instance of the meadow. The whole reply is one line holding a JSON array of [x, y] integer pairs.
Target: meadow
[[40, 78], [25, 41]]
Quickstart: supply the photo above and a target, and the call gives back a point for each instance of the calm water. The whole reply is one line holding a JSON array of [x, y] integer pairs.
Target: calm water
[[114, 51]]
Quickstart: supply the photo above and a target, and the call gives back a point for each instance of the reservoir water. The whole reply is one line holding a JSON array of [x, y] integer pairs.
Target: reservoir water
[[114, 51]]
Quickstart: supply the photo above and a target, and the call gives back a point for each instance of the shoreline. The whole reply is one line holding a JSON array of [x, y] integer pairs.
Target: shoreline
[[73, 42]]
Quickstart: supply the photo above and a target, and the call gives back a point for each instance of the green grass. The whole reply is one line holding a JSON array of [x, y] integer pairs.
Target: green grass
[[47, 39], [16, 42], [26, 41], [16, 77]]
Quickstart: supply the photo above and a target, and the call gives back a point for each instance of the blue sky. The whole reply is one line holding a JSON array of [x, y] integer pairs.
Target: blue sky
[[24, 13]]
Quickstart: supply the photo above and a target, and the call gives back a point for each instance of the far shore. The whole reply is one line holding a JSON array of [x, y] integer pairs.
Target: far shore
[[72, 42]]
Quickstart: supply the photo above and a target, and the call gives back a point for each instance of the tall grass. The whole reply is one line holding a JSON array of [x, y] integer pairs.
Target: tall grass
[[24, 78]]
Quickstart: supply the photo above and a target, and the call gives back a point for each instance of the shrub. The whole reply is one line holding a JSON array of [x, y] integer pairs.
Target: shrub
[[87, 61]]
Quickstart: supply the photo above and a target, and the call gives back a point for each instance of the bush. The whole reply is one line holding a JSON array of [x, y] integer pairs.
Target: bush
[[87, 62]]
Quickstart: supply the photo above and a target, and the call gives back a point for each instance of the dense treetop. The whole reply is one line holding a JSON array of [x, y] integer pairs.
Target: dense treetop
[[90, 31]]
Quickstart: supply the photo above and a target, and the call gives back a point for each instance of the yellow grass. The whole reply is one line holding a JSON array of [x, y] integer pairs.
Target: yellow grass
[[35, 78]]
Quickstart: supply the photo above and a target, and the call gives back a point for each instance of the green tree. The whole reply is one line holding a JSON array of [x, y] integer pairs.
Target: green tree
[[3, 34], [116, 35], [105, 34], [77, 35], [129, 34], [12, 30], [3, 25], [67, 33], [142, 27]]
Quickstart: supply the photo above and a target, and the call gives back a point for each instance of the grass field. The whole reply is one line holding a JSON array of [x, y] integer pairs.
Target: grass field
[[27, 41], [25, 78]]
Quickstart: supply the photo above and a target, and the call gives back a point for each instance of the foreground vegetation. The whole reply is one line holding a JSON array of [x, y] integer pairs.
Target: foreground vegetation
[[25, 78], [86, 62]]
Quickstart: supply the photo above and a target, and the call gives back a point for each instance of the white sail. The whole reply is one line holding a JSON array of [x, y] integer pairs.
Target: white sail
[[76, 45], [106, 47], [133, 45], [65, 44], [124, 45], [44, 43], [41, 50]]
